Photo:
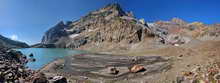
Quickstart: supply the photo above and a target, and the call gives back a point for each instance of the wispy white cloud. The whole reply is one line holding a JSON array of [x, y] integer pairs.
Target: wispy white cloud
[[14, 37]]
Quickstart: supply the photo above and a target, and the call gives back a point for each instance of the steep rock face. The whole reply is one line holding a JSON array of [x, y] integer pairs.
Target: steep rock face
[[53, 34], [106, 25], [8, 43], [112, 27]]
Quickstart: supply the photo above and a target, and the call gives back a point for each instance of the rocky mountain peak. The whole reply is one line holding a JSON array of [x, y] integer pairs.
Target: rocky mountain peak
[[61, 23], [107, 25], [110, 9], [178, 21], [55, 32], [114, 6]]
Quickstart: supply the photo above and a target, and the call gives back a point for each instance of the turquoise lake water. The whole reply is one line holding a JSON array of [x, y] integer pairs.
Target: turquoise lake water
[[44, 56]]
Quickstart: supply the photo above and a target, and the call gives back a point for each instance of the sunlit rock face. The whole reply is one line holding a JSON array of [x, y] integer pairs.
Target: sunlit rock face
[[112, 27], [106, 25], [53, 34]]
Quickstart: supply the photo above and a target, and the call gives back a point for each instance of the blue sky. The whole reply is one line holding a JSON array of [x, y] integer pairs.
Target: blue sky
[[27, 20]]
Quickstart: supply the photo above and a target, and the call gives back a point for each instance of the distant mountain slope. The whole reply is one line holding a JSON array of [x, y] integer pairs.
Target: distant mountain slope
[[6, 42], [110, 25]]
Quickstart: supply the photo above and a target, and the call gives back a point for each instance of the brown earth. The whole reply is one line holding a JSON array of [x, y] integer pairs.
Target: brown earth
[[115, 38], [91, 68]]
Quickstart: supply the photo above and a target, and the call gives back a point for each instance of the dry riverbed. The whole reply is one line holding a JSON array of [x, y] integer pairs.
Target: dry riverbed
[[165, 65], [95, 68]]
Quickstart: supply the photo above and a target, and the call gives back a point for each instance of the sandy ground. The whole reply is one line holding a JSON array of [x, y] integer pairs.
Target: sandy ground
[[163, 64]]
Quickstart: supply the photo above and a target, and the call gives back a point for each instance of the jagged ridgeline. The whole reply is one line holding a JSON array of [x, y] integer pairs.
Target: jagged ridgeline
[[111, 27], [8, 43], [108, 25]]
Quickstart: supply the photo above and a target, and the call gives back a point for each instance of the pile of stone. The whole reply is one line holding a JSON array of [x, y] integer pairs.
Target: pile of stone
[[58, 79], [12, 66], [133, 69], [201, 74], [113, 70], [41, 78], [137, 68], [13, 70], [174, 39]]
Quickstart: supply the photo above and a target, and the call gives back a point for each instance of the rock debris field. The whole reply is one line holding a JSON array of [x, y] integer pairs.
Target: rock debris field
[[98, 67]]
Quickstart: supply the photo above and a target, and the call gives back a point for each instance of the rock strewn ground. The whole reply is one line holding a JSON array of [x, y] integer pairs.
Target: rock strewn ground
[[197, 63], [95, 68], [12, 67]]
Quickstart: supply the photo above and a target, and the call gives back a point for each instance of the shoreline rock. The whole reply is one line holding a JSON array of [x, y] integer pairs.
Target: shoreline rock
[[12, 67]]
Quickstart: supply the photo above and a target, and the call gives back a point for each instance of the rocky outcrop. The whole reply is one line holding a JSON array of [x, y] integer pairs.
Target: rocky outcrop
[[40, 78], [107, 25], [112, 27], [177, 31], [137, 68], [6, 42], [53, 34], [58, 79], [12, 67]]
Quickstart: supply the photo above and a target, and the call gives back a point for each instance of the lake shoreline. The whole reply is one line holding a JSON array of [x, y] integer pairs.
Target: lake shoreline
[[12, 68], [177, 62], [44, 56], [64, 67]]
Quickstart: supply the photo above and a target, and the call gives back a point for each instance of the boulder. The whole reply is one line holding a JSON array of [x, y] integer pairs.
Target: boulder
[[41, 78], [187, 73], [113, 70], [179, 79], [217, 77], [59, 79], [9, 76], [176, 40], [32, 59], [137, 68], [31, 55]]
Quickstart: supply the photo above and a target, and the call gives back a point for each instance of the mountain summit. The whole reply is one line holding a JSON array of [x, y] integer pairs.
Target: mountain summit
[[53, 34], [110, 28], [114, 9]]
